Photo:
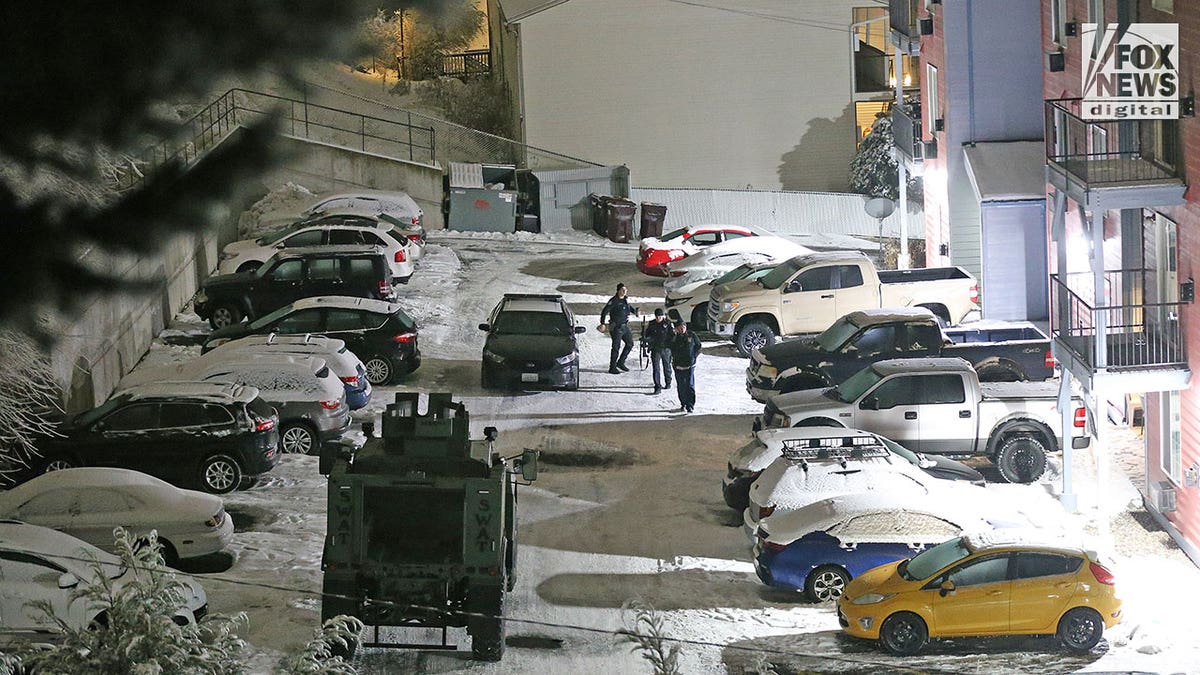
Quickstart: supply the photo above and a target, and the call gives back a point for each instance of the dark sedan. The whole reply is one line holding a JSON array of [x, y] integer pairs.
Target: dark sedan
[[530, 342]]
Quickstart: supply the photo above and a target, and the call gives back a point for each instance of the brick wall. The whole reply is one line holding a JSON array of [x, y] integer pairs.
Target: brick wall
[[937, 199]]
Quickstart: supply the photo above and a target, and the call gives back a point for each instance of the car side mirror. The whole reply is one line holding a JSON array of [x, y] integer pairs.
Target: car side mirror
[[68, 580], [946, 588], [484, 327], [870, 403], [100, 426], [529, 465], [280, 245], [580, 329]]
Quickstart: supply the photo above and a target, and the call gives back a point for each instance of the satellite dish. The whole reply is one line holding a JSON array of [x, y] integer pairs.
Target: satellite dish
[[879, 207]]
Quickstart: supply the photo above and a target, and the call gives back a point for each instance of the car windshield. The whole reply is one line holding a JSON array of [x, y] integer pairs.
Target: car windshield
[[673, 234], [531, 323], [89, 416], [900, 451], [836, 335], [857, 385], [776, 277], [271, 318], [928, 563], [274, 235], [732, 275]]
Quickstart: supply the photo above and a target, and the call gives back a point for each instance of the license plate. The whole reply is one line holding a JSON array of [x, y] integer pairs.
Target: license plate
[[529, 377]]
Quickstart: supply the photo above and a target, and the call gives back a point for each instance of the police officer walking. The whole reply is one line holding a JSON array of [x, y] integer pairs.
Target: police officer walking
[[616, 316], [685, 349], [658, 335]]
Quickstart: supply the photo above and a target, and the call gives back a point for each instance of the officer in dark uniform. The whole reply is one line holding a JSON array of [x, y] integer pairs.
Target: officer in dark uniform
[[615, 316], [658, 335], [685, 349]]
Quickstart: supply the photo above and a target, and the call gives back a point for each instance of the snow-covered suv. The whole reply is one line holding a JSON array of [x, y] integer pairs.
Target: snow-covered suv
[[248, 255]]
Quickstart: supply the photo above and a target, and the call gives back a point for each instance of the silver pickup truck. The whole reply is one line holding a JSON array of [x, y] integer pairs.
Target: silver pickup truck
[[938, 406]]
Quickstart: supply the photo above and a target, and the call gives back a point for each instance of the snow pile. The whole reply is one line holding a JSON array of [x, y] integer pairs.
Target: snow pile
[[281, 204], [572, 238]]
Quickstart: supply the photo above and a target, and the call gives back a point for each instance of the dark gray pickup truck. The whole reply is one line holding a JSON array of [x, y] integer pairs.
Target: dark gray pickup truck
[[1000, 352]]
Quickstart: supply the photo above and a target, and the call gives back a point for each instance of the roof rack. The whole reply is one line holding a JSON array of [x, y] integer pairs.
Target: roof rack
[[532, 296], [834, 447]]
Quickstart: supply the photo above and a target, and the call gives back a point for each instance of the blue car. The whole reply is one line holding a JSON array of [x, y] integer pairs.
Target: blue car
[[817, 549], [358, 389]]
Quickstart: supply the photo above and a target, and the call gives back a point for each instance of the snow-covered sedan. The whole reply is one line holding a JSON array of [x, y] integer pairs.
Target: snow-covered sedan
[[655, 252], [89, 502], [747, 463], [38, 563], [346, 366], [248, 255], [687, 296], [819, 548]]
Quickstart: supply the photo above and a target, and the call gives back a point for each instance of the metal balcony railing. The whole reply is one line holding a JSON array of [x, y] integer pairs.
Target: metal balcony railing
[[902, 15], [1132, 334], [467, 64], [906, 127], [1110, 152]]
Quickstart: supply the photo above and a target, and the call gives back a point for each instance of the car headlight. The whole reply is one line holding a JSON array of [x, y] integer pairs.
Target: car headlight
[[676, 301], [768, 372], [728, 306], [564, 360], [870, 598], [493, 356], [201, 296]]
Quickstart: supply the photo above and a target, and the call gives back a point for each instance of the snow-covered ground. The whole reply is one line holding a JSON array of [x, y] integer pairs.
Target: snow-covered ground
[[628, 506]]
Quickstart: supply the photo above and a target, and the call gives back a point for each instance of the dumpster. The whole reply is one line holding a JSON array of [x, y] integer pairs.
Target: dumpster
[[528, 223], [619, 219], [479, 198], [653, 216]]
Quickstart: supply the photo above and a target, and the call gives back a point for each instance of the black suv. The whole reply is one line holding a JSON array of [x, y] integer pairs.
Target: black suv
[[209, 435], [291, 274], [530, 341], [378, 332]]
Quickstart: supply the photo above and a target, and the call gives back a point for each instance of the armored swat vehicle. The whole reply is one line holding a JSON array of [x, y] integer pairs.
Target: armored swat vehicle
[[422, 526]]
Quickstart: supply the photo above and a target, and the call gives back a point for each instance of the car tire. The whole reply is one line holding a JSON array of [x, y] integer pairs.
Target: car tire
[[59, 462], [574, 386], [219, 474], [994, 370], [753, 335], [224, 315], [1021, 458], [298, 438], [1080, 629], [699, 317], [903, 634], [248, 266], [826, 583], [379, 370], [487, 632]]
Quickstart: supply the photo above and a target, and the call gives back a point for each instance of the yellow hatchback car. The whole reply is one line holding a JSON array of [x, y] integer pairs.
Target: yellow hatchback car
[[1001, 582]]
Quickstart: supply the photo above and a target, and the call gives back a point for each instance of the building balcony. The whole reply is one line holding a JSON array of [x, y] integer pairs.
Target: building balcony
[[1113, 164], [906, 128], [1120, 347], [906, 31]]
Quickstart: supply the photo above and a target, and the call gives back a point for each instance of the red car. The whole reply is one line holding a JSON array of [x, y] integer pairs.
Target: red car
[[655, 252]]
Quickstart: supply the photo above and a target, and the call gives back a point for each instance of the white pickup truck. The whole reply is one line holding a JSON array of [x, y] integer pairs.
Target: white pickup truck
[[938, 407], [809, 292]]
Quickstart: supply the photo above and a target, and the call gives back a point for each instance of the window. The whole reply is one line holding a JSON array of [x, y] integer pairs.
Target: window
[[849, 276], [1096, 16], [986, 570], [1032, 565], [1058, 21], [371, 239], [730, 235], [324, 269], [345, 236], [133, 418], [1167, 6], [816, 279], [361, 270], [919, 338], [288, 270], [874, 341], [1172, 444], [942, 389], [705, 238], [894, 392], [305, 238], [215, 414], [99, 500], [181, 415], [933, 106], [48, 503], [343, 319], [304, 321]]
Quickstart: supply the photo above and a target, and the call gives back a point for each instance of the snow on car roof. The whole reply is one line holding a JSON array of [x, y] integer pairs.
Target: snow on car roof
[[217, 392], [1056, 539], [343, 249], [829, 256], [65, 549], [795, 487], [828, 512], [777, 247], [314, 342], [348, 302], [778, 435], [868, 317], [943, 364], [248, 359], [531, 305], [125, 480]]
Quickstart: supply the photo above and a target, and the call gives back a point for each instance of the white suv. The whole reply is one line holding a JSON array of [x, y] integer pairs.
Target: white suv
[[249, 254]]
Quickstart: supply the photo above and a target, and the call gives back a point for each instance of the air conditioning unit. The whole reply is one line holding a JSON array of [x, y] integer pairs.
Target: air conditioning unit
[[1056, 62], [1162, 496], [926, 25], [929, 149], [939, 124]]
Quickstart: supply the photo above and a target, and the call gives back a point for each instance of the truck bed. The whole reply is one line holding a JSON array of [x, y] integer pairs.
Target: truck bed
[[1020, 343], [921, 274], [1018, 390]]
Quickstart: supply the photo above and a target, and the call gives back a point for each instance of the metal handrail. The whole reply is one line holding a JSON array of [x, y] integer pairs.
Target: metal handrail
[[1109, 151]]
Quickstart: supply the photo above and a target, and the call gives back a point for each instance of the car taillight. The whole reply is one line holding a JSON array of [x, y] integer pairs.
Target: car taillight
[[217, 520], [416, 220], [773, 546], [261, 424], [1102, 574], [677, 273], [975, 293], [352, 380], [400, 257], [331, 404], [414, 237], [1080, 418], [764, 511], [1050, 362], [404, 338], [385, 289]]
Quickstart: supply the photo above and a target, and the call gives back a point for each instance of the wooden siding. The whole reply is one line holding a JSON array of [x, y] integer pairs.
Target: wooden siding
[[691, 96]]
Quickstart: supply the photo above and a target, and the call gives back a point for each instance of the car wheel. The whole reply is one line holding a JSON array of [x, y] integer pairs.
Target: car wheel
[[999, 371], [1021, 459], [1080, 629], [753, 335], [826, 583], [903, 633], [220, 474], [249, 266], [224, 315], [59, 463], [574, 386], [169, 554], [379, 370], [298, 439], [700, 317]]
